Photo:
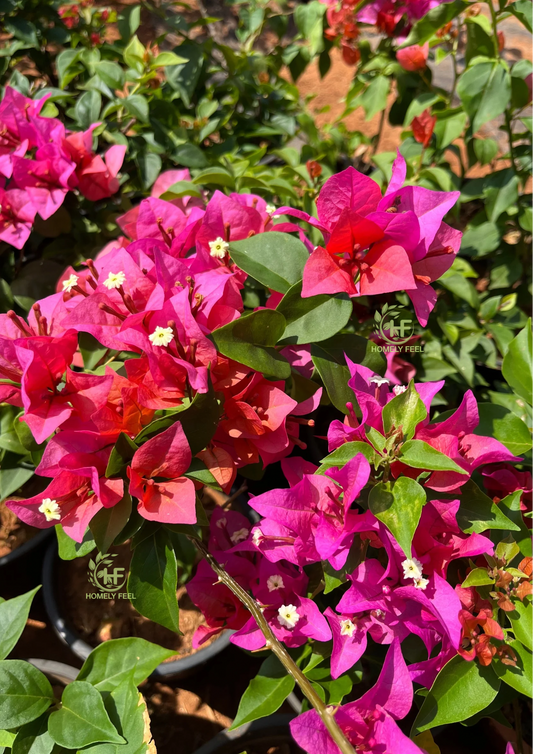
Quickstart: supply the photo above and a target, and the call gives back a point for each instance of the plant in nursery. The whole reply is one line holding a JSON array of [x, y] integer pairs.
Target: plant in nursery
[[196, 348], [102, 707]]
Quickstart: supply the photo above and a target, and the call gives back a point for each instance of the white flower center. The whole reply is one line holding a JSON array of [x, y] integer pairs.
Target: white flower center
[[288, 616], [239, 536], [347, 627], [69, 284], [51, 509], [257, 537], [379, 381], [421, 583], [275, 582], [218, 248], [399, 389], [115, 280], [412, 569], [270, 208], [161, 336]]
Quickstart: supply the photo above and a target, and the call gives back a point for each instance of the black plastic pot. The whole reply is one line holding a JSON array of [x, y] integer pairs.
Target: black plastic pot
[[265, 733], [55, 671], [26, 549], [179, 668]]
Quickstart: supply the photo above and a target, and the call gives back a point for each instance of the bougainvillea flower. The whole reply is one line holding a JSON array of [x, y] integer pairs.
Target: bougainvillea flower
[[44, 361], [16, 132], [166, 456], [413, 58], [47, 179], [502, 479], [69, 500], [368, 723], [316, 513], [423, 126], [17, 214], [375, 244], [97, 177]]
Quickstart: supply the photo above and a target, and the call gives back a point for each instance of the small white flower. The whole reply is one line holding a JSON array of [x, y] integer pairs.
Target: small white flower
[[257, 537], [275, 582], [270, 208], [69, 283], [239, 536], [288, 616], [218, 248], [347, 627], [399, 389], [221, 523], [412, 569], [378, 613], [161, 336], [51, 509], [379, 381], [421, 583], [115, 280]]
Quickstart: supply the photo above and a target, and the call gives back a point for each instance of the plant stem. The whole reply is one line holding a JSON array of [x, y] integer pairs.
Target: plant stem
[[377, 137], [279, 650], [518, 727]]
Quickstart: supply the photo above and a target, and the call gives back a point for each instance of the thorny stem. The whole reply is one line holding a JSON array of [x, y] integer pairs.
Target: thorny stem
[[279, 650]]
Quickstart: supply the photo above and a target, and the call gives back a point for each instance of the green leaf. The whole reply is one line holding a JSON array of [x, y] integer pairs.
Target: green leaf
[[121, 455], [477, 512], [265, 693], [134, 54], [82, 719], [517, 362], [510, 505], [520, 677], [374, 99], [126, 708], [329, 360], [6, 739], [310, 320], [340, 456], [114, 661], [13, 616], [250, 340], [153, 579], [87, 108], [501, 423], [12, 479], [149, 167], [111, 74], [501, 194], [405, 411], [418, 104], [137, 106], [69, 549], [477, 577], [107, 524], [485, 93], [33, 738], [22, 29], [438, 17], [522, 10], [449, 126], [485, 150], [167, 58], [460, 690], [274, 259], [419, 455], [217, 176], [25, 693], [184, 78], [309, 20], [522, 622], [181, 188], [335, 578], [399, 507]]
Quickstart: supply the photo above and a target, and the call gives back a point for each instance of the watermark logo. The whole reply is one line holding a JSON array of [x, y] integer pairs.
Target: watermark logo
[[107, 577], [395, 326]]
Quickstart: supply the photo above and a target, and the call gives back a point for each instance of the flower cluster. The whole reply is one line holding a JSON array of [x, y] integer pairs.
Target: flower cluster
[[41, 161], [376, 244], [145, 298]]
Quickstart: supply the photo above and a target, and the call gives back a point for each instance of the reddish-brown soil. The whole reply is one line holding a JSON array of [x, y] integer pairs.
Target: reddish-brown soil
[[13, 533], [97, 620]]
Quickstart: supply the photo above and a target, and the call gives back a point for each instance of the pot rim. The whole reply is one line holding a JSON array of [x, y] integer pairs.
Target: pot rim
[[272, 724], [173, 668], [24, 549]]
